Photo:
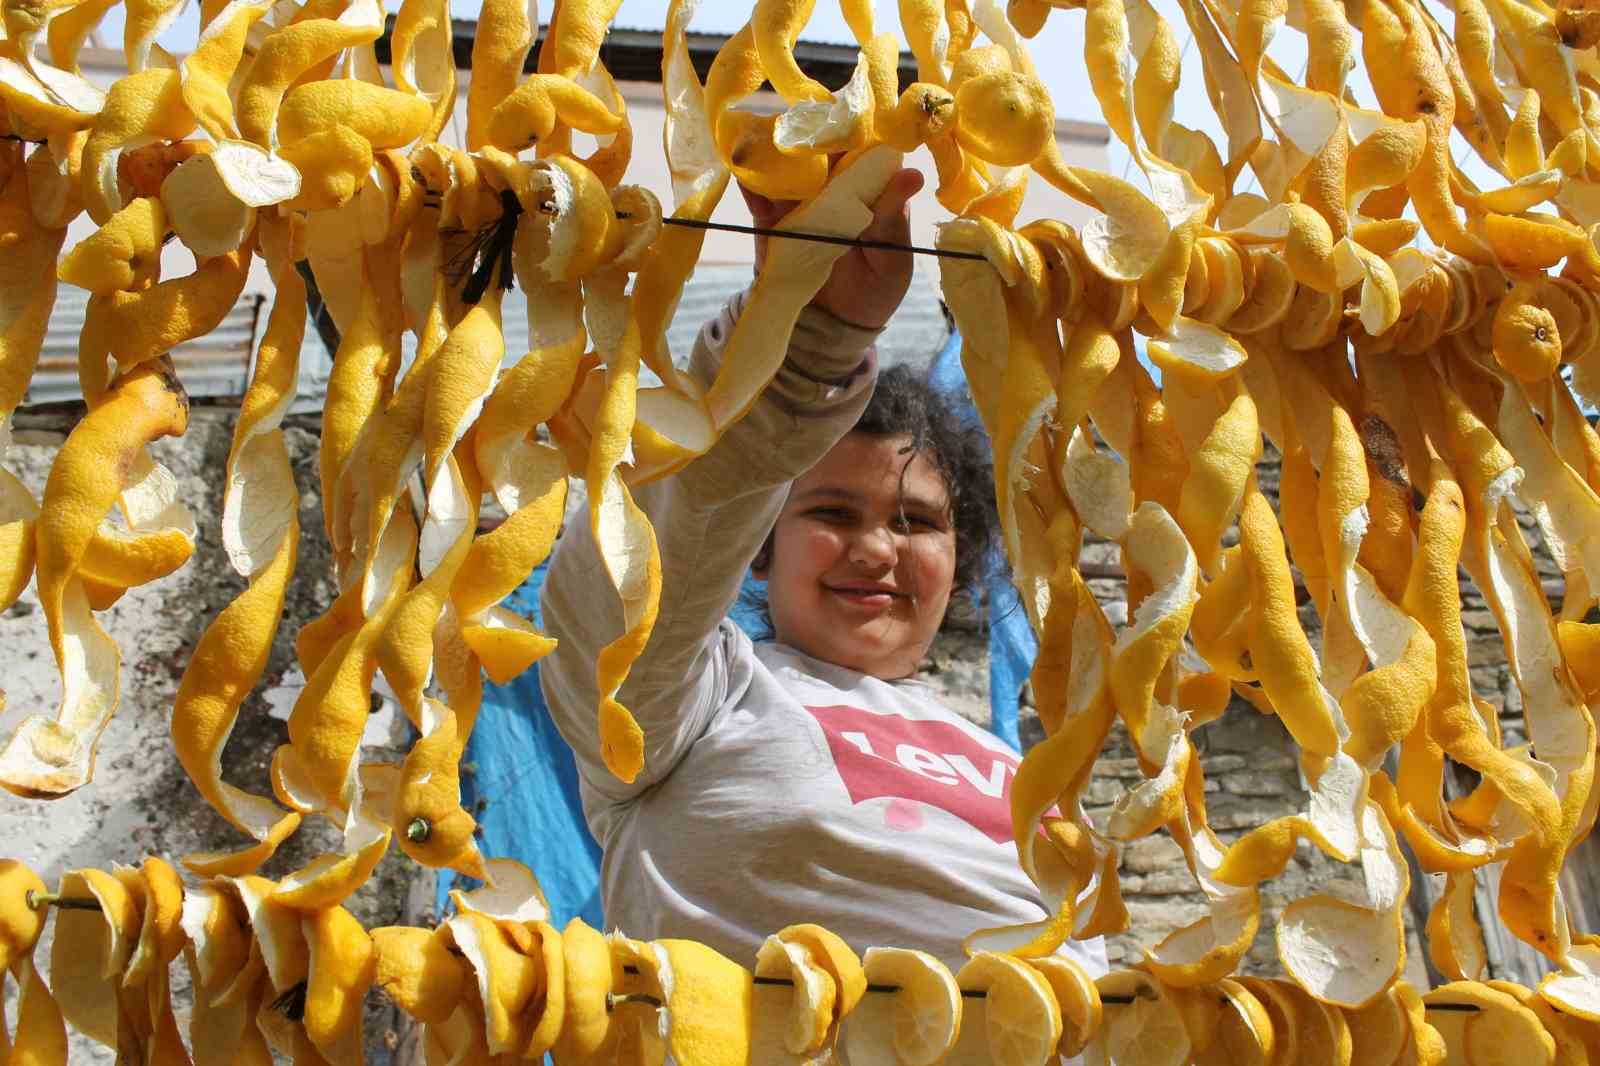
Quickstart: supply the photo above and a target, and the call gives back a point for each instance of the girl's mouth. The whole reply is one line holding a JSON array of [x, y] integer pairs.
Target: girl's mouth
[[864, 595]]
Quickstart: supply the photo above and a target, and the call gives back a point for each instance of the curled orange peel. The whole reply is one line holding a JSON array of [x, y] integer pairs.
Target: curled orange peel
[[529, 116], [1250, 292], [139, 109], [282, 59], [30, 294], [47, 756], [261, 534]]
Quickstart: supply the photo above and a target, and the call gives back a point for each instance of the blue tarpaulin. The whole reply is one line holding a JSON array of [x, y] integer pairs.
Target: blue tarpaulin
[[1012, 645], [522, 777]]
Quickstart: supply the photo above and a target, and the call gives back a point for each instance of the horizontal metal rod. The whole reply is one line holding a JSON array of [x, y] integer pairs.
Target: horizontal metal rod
[[616, 999], [35, 900], [820, 238], [966, 993]]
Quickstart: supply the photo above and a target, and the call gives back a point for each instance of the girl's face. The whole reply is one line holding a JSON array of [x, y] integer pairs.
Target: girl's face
[[863, 558]]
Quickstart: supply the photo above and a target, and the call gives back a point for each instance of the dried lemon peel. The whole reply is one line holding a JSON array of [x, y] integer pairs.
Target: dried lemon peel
[[614, 150], [1316, 935], [149, 322], [323, 722], [45, 99], [1244, 1030], [90, 950], [1201, 952], [41, 1032], [139, 109], [283, 57], [790, 277], [811, 1011], [835, 958], [360, 381], [788, 281], [1156, 549], [1499, 1019], [1561, 724], [775, 27], [21, 921], [1317, 259], [507, 979], [341, 967], [707, 1000], [1282, 656], [1115, 35], [919, 1024], [218, 939], [1030, 404], [626, 540], [1565, 506], [1218, 473], [1076, 640], [417, 970], [1022, 1020], [54, 756], [120, 254], [434, 828], [529, 115], [840, 123], [29, 302], [1148, 1029], [1455, 939], [499, 52], [1380, 708], [319, 769]]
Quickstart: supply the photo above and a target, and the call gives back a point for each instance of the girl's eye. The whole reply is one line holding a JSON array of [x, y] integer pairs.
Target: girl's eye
[[913, 523], [830, 514]]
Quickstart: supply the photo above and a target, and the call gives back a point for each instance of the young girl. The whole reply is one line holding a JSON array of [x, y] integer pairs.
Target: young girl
[[807, 778]]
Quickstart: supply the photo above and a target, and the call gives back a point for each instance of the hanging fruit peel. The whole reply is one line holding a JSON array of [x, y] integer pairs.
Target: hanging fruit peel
[[1305, 315]]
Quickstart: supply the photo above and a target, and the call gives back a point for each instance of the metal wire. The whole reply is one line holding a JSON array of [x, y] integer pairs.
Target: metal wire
[[820, 238], [35, 900]]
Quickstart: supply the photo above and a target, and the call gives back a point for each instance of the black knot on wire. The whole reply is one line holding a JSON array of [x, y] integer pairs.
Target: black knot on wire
[[292, 1003], [489, 248]]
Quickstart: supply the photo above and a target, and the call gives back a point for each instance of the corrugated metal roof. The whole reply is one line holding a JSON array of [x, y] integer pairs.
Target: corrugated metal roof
[[634, 54], [217, 364], [709, 20]]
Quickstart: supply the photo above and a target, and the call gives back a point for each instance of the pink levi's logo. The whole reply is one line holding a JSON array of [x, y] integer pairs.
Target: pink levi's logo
[[929, 762]]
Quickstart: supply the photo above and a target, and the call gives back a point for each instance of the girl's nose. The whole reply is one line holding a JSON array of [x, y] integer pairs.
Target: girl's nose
[[874, 546]]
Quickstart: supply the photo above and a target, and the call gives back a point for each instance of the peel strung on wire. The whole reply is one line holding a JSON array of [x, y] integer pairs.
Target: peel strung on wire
[[1252, 303]]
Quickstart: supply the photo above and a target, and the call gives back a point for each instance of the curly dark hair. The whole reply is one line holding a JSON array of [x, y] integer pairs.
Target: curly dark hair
[[905, 404]]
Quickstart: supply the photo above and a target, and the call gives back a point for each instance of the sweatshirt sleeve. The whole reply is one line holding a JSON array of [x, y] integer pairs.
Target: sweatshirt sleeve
[[710, 520]]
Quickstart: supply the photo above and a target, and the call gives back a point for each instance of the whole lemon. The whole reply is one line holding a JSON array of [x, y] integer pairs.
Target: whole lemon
[[1526, 341], [1004, 118]]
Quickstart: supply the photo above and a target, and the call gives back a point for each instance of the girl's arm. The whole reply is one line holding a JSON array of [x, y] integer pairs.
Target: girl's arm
[[711, 517]]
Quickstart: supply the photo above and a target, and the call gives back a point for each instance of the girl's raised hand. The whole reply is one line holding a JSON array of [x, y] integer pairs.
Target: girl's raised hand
[[867, 284]]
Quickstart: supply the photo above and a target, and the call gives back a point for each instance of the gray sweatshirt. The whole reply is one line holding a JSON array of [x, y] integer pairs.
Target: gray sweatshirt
[[776, 788]]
